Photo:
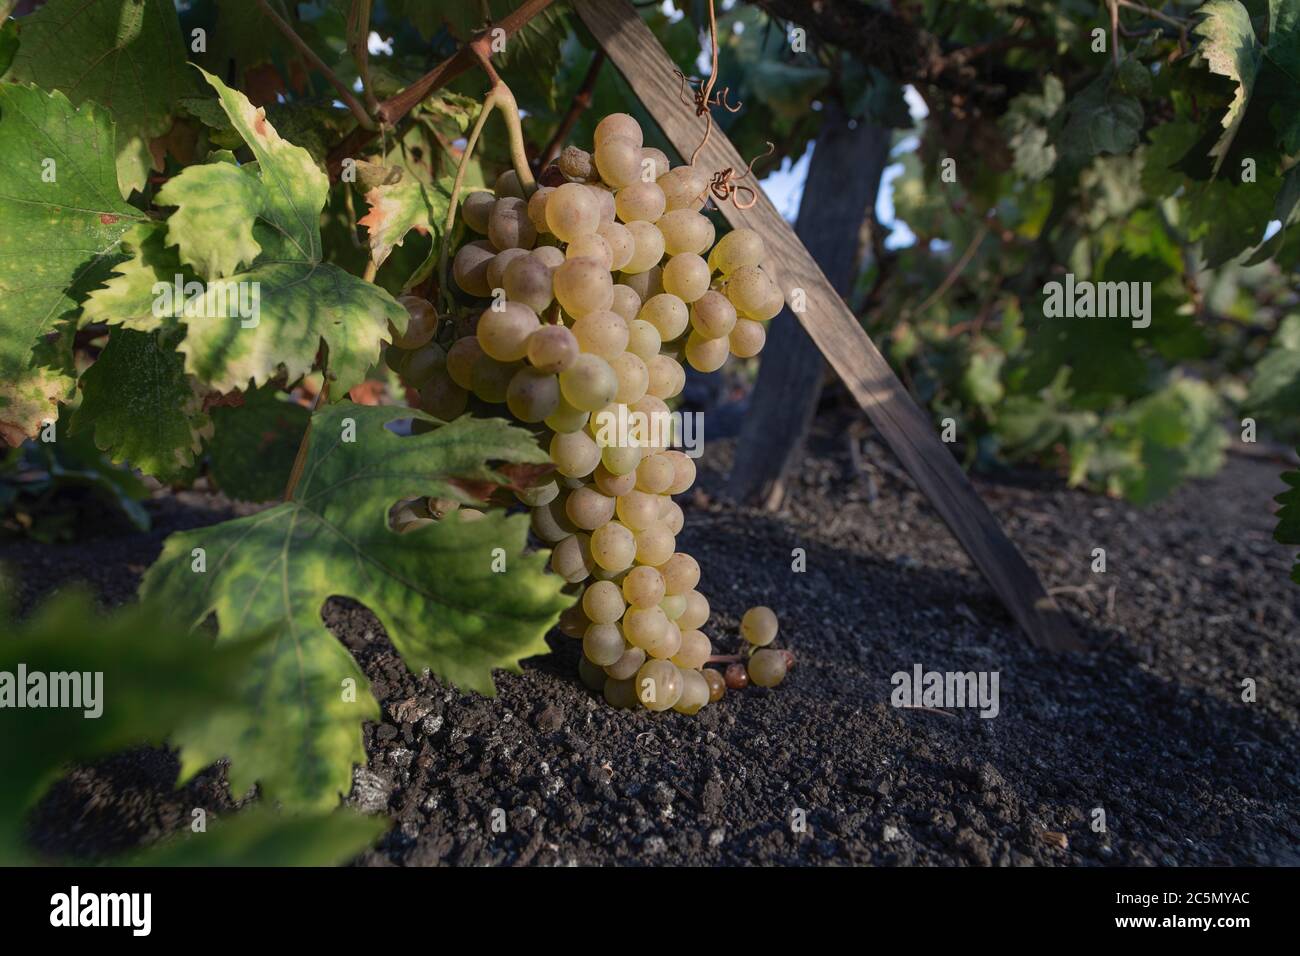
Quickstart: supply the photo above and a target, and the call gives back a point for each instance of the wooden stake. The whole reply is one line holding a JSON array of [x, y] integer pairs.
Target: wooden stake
[[634, 50]]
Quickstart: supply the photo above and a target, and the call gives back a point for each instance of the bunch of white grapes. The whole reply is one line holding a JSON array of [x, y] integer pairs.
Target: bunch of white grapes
[[601, 286]]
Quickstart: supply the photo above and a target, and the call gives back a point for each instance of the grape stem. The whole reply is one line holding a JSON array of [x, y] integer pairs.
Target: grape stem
[[300, 460], [449, 223], [505, 102], [724, 659]]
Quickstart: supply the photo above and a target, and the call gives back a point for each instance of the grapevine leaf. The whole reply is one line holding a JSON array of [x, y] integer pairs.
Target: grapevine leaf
[[261, 837], [290, 299], [433, 589], [125, 55], [1228, 218], [398, 208], [64, 219], [1176, 434], [154, 676], [213, 222], [1230, 49], [8, 44], [1275, 389], [141, 405], [128, 297], [1099, 119], [254, 444], [1170, 142], [1026, 124], [1288, 517]]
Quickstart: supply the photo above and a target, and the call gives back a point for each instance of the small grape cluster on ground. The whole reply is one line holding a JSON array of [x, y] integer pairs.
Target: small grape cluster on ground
[[600, 290]]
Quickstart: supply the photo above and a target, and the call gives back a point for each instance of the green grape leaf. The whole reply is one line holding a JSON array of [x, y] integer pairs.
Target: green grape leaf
[[1099, 119], [1288, 517], [434, 589], [1230, 48], [254, 444], [1228, 218], [259, 836], [1026, 125], [1170, 142], [397, 208], [1176, 434], [153, 676], [8, 44], [128, 296], [141, 406], [125, 55], [1275, 389], [213, 222], [64, 219]]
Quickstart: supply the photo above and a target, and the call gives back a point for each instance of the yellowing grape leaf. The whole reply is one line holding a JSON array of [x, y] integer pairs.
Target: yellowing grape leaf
[[63, 221], [213, 224], [397, 208], [142, 406], [459, 597], [1230, 49], [125, 55]]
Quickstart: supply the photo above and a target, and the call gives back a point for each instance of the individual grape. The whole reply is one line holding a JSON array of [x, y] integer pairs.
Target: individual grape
[[602, 333], [576, 163], [621, 243], [759, 626], [717, 684], [605, 200], [666, 377], [618, 160], [738, 248], [681, 573], [591, 675], [747, 338], [572, 210], [685, 230], [644, 284], [643, 339], [749, 289], [683, 471], [490, 379], [508, 184], [610, 483], [696, 614], [572, 559], [658, 164], [589, 383], [588, 509], [633, 377], [713, 316], [537, 208], [567, 419], [574, 453], [532, 394], [534, 496], [504, 333], [686, 276], [674, 605], [736, 677], [771, 305], [621, 693], [655, 545], [496, 270], [550, 256], [638, 510], [527, 280], [620, 461], [592, 246], [613, 547], [649, 247], [574, 621], [767, 668], [673, 517], [706, 355], [461, 358], [423, 364], [658, 685], [651, 631], [655, 474], [552, 348], [550, 521], [469, 267], [667, 313], [695, 693], [685, 187], [509, 226], [442, 398], [602, 644], [639, 201], [476, 210], [643, 588], [421, 324], [618, 124], [626, 302], [627, 665], [603, 603], [583, 286]]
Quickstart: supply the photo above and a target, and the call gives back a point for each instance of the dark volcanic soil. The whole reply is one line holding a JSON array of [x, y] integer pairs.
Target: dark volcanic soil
[[1149, 725]]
